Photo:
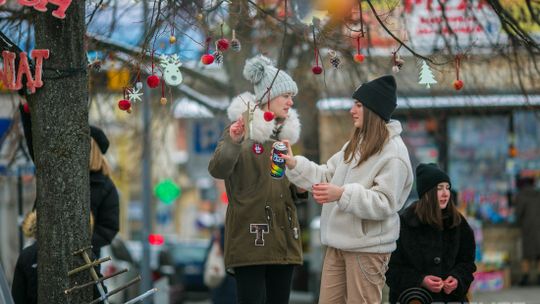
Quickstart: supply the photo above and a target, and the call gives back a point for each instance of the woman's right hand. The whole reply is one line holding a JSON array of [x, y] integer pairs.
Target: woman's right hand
[[290, 161], [433, 283], [237, 130]]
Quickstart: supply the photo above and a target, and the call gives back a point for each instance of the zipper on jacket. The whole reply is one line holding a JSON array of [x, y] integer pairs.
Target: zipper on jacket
[[269, 215], [291, 224]]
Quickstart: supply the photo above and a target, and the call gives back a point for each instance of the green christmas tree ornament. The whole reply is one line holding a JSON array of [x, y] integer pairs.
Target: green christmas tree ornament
[[167, 191]]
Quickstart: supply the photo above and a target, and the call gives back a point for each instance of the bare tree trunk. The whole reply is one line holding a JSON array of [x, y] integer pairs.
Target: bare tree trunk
[[61, 147]]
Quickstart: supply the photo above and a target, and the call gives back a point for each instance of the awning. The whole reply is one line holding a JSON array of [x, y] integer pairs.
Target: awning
[[332, 104]]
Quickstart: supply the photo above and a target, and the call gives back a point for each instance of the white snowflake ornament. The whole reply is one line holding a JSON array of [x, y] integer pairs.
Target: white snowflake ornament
[[135, 95]]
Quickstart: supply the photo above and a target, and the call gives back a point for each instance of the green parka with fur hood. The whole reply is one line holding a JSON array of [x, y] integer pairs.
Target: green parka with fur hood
[[261, 225]]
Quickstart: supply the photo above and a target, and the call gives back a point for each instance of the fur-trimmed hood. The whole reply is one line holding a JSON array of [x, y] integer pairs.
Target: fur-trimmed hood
[[262, 129]]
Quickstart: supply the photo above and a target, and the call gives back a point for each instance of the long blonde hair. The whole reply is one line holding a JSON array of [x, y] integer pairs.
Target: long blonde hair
[[369, 139], [98, 162]]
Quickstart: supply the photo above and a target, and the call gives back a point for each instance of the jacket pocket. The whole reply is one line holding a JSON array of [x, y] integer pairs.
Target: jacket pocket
[[293, 223], [269, 216], [358, 226], [371, 228]]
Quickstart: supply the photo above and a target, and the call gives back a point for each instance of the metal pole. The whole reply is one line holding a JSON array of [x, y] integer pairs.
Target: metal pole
[[146, 199], [20, 206]]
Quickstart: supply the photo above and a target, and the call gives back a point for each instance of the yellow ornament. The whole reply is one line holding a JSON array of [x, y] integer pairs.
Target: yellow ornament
[[172, 39], [163, 100]]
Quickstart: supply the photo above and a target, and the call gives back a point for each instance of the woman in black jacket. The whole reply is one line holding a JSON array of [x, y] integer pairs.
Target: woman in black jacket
[[104, 201], [436, 249]]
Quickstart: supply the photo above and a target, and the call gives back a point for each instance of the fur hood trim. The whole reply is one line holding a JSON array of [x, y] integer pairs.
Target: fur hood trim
[[262, 129]]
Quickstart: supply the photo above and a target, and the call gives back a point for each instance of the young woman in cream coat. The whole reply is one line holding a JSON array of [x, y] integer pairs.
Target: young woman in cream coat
[[361, 188]]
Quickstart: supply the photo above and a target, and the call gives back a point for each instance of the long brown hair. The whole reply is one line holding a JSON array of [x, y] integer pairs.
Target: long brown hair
[[369, 139], [428, 211], [98, 162]]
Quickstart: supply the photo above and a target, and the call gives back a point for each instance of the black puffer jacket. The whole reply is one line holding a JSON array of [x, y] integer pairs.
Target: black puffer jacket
[[104, 201], [104, 204], [424, 250]]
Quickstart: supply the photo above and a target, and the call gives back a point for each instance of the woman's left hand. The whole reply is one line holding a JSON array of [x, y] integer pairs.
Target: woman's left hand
[[326, 193], [450, 284]]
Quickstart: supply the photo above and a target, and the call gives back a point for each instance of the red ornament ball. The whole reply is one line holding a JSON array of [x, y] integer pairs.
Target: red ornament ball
[[124, 105], [152, 81], [458, 84], [207, 59], [223, 44], [359, 58], [268, 116], [26, 108], [316, 69]]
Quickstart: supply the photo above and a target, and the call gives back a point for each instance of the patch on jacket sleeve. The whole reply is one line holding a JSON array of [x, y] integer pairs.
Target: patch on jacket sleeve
[[259, 230]]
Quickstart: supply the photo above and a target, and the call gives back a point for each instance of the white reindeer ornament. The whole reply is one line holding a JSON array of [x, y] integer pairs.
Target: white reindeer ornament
[[171, 69]]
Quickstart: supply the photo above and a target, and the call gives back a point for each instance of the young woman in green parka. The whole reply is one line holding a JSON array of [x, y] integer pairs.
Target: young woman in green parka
[[262, 234]]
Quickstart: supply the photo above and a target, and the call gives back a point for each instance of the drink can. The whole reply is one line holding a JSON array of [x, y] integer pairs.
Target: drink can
[[277, 167]]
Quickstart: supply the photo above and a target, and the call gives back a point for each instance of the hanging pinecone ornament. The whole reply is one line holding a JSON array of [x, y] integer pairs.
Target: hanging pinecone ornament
[[335, 61], [398, 62], [236, 46]]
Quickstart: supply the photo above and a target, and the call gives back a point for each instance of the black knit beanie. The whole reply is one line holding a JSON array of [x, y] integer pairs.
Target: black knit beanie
[[101, 139], [378, 95], [429, 176]]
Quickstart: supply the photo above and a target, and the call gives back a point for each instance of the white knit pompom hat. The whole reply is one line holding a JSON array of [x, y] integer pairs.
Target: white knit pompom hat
[[260, 71]]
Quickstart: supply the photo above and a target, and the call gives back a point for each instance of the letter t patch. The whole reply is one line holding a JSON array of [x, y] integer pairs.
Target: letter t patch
[[259, 230]]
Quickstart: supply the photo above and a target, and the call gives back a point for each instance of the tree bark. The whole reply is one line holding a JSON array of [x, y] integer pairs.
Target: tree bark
[[61, 143]]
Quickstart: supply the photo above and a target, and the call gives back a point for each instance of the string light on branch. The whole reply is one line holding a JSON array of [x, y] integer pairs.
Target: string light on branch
[[458, 83], [207, 58]]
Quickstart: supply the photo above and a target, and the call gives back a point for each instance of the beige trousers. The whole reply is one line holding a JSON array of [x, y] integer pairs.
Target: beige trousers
[[353, 277]]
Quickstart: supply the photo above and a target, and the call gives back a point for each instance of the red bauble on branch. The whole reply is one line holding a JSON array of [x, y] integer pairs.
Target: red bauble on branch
[[207, 58], [269, 116], [124, 105], [223, 44], [152, 81], [458, 83], [358, 57]]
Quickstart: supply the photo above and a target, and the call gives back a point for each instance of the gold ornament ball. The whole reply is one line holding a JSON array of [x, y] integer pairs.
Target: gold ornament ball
[[172, 39], [200, 17], [163, 100]]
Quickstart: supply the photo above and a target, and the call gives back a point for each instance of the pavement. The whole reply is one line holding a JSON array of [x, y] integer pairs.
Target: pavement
[[513, 295]]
